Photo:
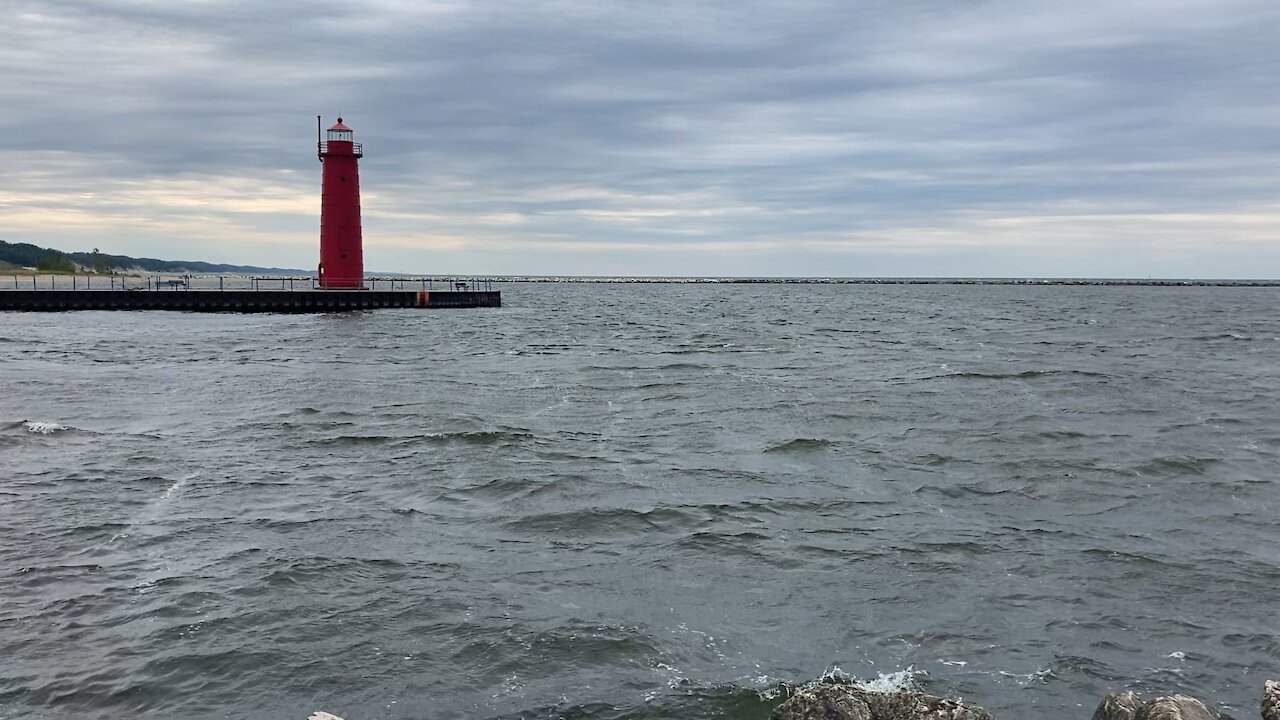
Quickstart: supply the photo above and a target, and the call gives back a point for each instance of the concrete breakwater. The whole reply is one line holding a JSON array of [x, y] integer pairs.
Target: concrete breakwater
[[839, 701], [1095, 282], [244, 301]]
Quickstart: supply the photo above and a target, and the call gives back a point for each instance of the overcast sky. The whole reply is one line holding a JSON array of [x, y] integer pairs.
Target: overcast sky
[[1101, 138]]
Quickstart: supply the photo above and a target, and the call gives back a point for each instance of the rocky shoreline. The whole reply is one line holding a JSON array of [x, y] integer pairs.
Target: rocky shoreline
[[841, 701]]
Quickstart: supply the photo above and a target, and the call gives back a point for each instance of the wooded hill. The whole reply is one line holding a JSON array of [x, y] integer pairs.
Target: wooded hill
[[34, 256]]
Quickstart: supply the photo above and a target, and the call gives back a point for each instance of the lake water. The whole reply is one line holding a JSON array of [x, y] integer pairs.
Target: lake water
[[642, 501]]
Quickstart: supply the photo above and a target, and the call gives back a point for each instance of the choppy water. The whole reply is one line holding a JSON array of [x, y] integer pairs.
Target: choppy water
[[642, 501]]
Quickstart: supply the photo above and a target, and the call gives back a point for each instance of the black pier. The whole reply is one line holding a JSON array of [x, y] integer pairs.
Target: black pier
[[243, 301]]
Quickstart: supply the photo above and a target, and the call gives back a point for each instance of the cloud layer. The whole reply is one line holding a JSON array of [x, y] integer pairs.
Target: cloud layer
[[812, 137]]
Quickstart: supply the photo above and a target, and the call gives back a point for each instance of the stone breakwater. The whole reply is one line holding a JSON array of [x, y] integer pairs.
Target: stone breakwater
[[836, 701]]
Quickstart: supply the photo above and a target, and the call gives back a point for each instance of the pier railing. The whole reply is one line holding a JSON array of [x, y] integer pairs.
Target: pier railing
[[181, 283]]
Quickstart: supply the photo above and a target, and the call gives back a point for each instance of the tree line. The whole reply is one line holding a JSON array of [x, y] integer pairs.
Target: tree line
[[50, 260]]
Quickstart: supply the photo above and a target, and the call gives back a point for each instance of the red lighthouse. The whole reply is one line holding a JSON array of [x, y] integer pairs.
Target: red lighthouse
[[341, 253]]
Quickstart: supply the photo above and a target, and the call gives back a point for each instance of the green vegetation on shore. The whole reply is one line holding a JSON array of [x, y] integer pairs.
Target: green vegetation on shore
[[15, 256]]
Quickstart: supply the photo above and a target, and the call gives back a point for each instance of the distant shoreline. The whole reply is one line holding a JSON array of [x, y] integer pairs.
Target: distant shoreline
[[692, 279]]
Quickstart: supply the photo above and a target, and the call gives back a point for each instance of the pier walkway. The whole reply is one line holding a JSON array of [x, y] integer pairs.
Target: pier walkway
[[52, 293]]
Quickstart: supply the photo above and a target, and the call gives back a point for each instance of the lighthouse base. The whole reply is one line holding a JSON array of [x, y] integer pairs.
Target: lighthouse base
[[242, 301]]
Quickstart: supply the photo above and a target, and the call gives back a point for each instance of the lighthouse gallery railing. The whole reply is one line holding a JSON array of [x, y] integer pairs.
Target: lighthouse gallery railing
[[357, 149]]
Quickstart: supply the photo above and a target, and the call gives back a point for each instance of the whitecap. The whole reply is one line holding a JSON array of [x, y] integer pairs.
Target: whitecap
[[675, 676], [44, 428], [900, 681], [175, 487], [835, 674], [1039, 676]]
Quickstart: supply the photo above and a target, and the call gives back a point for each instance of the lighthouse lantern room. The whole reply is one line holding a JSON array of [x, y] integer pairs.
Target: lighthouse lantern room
[[341, 251]]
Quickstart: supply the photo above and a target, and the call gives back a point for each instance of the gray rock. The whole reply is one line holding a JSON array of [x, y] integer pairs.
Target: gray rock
[[823, 702], [1176, 707], [1270, 704], [1118, 706], [852, 702], [834, 701]]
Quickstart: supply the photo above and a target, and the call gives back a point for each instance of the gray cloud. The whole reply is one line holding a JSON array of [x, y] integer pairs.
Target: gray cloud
[[827, 137]]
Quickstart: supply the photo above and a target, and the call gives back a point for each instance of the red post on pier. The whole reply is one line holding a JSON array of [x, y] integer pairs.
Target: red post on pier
[[341, 252]]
